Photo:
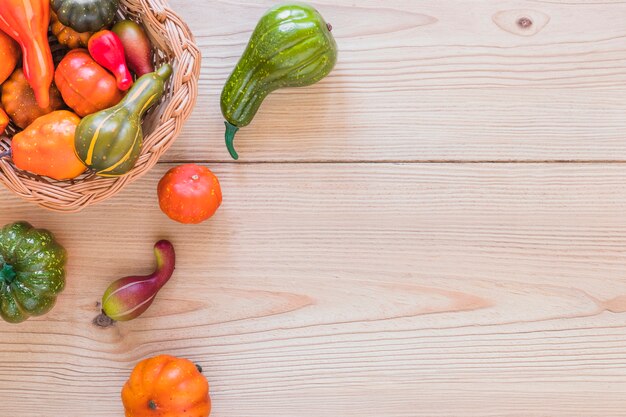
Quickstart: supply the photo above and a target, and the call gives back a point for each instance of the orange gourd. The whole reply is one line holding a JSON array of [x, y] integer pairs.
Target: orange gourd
[[46, 147], [4, 121], [85, 86], [18, 100], [189, 194], [27, 22], [9, 55], [66, 35], [166, 386]]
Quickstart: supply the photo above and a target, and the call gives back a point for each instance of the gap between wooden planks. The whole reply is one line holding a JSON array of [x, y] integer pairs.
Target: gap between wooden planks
[[334, 289]]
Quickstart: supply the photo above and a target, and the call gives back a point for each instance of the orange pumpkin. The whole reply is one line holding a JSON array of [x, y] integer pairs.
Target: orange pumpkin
[[189, 194], [165, 386], [9, 54], [18, 100], [85, 86], [66, 35]]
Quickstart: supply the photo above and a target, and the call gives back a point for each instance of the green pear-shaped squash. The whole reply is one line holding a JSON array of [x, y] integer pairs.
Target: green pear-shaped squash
[[109, 141], [292, 46]]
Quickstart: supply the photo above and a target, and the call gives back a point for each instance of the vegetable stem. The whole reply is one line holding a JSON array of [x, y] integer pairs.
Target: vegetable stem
[[231, 130], [7, 273]]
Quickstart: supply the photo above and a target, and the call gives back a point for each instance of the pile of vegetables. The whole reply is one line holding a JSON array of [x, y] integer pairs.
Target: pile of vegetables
[[91, 83], [85, 114]]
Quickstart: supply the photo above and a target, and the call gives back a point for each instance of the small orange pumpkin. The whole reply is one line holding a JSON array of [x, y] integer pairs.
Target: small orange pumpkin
[[85, 86], [66, 35], [166, 386], [18, 100]]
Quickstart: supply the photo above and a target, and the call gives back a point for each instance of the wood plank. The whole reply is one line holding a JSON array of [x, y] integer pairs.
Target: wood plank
[[350, 289], [428, 80]]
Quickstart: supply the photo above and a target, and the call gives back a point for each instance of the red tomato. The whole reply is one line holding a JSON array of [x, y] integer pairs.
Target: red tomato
[[189, 194]]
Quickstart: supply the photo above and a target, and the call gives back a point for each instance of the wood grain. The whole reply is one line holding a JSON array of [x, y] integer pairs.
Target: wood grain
[[429, 80], [350, 289]]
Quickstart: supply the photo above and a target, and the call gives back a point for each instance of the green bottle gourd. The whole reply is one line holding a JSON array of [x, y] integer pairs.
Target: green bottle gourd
[[292, 46], [109, 141]]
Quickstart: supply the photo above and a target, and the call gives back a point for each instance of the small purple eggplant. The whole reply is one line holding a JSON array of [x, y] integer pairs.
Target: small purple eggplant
[[128, 298]]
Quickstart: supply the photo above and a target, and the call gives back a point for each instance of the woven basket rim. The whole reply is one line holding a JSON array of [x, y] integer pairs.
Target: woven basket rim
[[174, 42]]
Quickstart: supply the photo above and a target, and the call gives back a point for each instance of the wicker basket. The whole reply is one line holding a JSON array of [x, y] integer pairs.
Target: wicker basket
[[172, 42]]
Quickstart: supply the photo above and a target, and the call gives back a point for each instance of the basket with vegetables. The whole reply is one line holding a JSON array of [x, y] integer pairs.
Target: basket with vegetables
[[93, 92]]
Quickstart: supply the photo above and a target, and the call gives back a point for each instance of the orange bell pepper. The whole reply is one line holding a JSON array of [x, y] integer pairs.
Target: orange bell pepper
[[27, 22], [4, 121]]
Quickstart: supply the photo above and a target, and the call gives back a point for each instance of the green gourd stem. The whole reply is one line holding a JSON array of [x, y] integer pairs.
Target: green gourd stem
[[7, 274], [164, 72], [231, 130]]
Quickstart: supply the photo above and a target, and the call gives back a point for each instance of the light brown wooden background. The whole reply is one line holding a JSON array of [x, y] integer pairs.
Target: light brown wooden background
[[437, 229]]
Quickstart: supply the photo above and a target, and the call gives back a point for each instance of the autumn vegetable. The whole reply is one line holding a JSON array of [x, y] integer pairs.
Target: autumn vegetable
[[86, 15], [109, 141], [18, 100], [32, 271], [46, 147], [137, 47], [9, 55], [85, 86], [107, 50], [27, 21], [292, 46], [166, 386], [189, 194], [4, 121], [66, 35], [128, 298]]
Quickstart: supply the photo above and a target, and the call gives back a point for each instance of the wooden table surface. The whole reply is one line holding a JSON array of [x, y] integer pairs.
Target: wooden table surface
[[437, 229]]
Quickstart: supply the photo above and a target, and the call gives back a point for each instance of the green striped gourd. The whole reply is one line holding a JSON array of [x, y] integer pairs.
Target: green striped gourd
[[292, 46], [109, 141]]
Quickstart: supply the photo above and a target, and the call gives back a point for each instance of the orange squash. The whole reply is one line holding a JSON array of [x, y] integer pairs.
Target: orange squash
[[27, 22], [9, 54], [46, 147], [66, 35], [165, 386], [85, 86], [18, 100]]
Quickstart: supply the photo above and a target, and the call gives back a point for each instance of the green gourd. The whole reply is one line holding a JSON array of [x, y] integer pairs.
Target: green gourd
[[85, 15], [292, 46], [109, 141], [32, 271]]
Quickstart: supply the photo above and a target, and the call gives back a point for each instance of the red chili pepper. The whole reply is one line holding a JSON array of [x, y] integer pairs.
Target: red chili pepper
[[107, 50]]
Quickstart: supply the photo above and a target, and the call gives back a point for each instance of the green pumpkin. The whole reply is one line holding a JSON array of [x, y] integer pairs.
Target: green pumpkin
[[292, 46], [109, 141], [85, 15], [32, 271]]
